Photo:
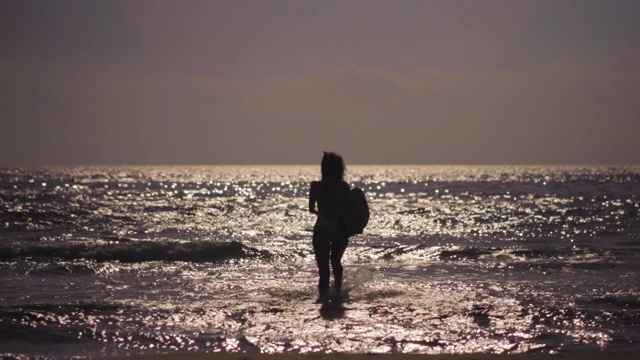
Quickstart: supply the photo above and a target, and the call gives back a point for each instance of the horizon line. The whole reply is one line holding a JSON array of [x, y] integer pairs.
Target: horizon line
[[316, 164]]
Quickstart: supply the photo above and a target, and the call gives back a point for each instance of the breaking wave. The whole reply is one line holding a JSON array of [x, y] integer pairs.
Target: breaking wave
[[132, 251]]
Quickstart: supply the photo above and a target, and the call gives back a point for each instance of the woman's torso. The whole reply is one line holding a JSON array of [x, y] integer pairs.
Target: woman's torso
[[332, 198]]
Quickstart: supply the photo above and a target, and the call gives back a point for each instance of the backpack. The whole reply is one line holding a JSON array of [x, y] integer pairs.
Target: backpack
[[359, 216]]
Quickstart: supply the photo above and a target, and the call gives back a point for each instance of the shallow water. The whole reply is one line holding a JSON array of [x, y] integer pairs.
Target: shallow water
[[125, 260]]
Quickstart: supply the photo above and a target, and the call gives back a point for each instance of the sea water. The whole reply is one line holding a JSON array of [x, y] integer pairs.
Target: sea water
[[456, 259]]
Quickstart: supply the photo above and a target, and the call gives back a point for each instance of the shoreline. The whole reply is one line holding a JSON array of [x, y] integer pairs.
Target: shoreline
[[576, 355]]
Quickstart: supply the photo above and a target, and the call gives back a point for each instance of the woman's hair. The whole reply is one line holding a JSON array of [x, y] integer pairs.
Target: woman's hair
[[332, 167]]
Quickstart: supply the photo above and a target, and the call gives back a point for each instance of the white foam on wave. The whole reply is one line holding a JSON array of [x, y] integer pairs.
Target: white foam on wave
[[355, 278]]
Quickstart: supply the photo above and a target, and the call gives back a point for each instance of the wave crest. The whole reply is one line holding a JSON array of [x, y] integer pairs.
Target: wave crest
[[132, 251]]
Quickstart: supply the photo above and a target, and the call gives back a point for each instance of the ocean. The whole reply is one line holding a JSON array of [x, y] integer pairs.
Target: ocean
[[100, 261]]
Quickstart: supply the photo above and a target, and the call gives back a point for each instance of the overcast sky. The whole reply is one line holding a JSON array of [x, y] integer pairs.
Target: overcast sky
[[277, 82]]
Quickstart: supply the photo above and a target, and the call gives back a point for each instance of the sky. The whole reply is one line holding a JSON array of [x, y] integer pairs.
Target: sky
[[278, 82]]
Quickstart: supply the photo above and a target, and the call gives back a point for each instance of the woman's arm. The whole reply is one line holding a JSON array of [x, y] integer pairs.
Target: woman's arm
[[313, 199], [346, 206]]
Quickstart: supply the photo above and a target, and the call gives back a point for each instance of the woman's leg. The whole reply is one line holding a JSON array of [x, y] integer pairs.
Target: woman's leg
[[321, 249], [338, 246]]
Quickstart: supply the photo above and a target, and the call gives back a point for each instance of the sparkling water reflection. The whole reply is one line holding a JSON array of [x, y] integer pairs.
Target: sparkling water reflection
[[455, 260]]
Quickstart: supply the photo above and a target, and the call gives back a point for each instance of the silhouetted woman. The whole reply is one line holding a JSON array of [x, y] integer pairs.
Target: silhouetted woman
[[330, 233]]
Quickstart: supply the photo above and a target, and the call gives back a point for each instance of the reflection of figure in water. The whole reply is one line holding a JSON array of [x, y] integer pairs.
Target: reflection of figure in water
[[330, 232]]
